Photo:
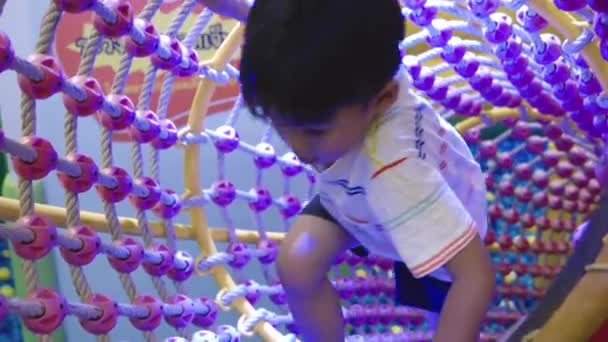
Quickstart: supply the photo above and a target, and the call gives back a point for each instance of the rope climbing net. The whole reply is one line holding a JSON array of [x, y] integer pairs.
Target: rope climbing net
[[534, 71]]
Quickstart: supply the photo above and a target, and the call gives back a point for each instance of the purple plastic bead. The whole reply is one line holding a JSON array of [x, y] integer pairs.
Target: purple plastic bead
[[438, 93], [3, 307], [522, 79], [181, 274], [423, 16], [265, 155], [472, 136], [516, 65], [452, 101], [570, 5], [481, 81], [440, 39], [467, 67], [293, 167], [184, 318], [271, 249], [240, 253], [502, 30], [483, 8], [557, 72], [453, 53], [253, 294], [503, 99], [227, 139], [263, 200], [530, 20], [413, 67], [223, 193], [600, 25], [413, 4], [531, 89], [425, 82], [345, 287], [509, 49], [291, 205], [550, 51], [491, 93], [165, 264], [604, 49], [565, 91], [574, 103], [600, 6], [228, 333], [356, 315], [589, 85], [279, 297], [206, 319]]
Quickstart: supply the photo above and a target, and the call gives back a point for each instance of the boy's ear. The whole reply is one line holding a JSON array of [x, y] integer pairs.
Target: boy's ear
[[387, 96]]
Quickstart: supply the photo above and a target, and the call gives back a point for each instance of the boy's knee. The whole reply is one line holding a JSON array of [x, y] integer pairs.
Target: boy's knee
[[298, 272]]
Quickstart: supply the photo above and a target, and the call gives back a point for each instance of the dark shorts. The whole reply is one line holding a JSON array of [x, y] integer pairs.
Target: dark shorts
[[424, 293]]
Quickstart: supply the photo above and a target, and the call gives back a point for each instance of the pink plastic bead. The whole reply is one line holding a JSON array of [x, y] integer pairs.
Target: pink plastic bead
[[53, 313], [223, 193], [265, 155], [94, 97], [240, 253], [149, 44], [153, 319], [183, 273], [536, 144], [184, 318], [170, 210], [44, 237], [152, 198], [74, 6], [291, 205], [91, 244], [150, 132], [292, 166], [133, 260], [89, 174], [227, 139], [7, 53], [45, 159], [165, 264], [175, 53], [564, 144], [50, 82], [271, 248], [263, 200], [189, 63], [125, 117], [123, 24], [505, 161], [123, 187], [209, 316], [488, 149], [551, 158], [108, 318], [167, 137]]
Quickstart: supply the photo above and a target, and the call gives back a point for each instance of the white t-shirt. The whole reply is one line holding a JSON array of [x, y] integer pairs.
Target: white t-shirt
[[412, 191]]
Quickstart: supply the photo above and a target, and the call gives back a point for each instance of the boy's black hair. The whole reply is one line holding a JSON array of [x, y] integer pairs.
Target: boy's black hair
[[302, 59]]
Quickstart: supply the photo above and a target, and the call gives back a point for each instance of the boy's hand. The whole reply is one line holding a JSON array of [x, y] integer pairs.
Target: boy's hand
[[237, 9]]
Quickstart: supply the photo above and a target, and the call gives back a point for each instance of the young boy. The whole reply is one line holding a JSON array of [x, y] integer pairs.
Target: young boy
[[394, 177]]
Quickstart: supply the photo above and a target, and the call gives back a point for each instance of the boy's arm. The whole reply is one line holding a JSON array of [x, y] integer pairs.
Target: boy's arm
[[236, 9], [471, 291]]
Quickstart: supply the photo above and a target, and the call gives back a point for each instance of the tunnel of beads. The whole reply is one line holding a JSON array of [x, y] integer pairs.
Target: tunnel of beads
[[522, 80]]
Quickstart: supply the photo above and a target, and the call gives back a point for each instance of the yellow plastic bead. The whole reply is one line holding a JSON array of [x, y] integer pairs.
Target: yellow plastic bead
[[511, 277], [5, 273], [361, 273], [6, 253], [7, 291], [395, 329]]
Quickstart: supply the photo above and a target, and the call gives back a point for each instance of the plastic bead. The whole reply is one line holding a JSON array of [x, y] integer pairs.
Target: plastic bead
[[536, 144], [167, 137], [531, 89], [262, 201], [153, 319], [7, 52], [145, 134], [550, 51], [45, 159], [487, 149], [91, 246], [467, 67], [492, 93], [108, 318], [184, 318], [564, 144], [290, 205], [44, 237], [271, 248], [240, 254], [265, 155], [170, 210], [53, 313], [278, 297], [502, 31], [604, 49], [123, 22], [438, 93], [530, 20], [570, 5], [89, 174], [205, 336], [4, 309], [228, 333], [253, 293], [472, 136], [504, 161], [123, 185], [598, 5], [223, 193], [133, 259], [577, 157], [425, 82], [208, 318], [148, 46], [509, 49], [423, 16], [440, 39], [189, 63], [452, 101], [181, 274], [522, 79], [165, 264], [94, 96], [74, 6], [125, 116], [453, 53], [292, 165], [600, 25], [174, 47], [51, 79], [152, 197], [483, 8], [515, 66], [175, 339]]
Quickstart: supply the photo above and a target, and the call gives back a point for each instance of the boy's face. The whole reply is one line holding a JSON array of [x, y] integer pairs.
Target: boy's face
[[322, 144]]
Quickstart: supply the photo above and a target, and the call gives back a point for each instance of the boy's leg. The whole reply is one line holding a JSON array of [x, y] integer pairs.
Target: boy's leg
[[306, 255]]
